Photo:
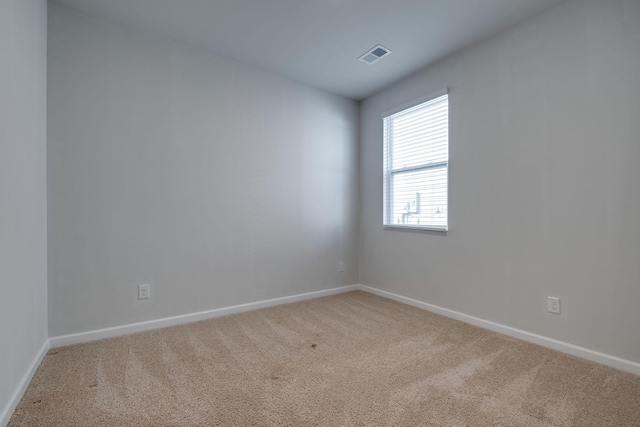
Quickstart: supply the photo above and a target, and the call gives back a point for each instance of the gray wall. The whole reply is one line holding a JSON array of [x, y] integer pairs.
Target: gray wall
[[23, 195], [216, 183], [544, 181]]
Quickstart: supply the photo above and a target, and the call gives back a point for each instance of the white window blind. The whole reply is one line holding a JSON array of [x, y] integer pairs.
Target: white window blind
[[416, 163]]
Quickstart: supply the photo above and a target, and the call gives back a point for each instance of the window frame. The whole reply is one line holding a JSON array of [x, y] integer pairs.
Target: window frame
[[389, 173]]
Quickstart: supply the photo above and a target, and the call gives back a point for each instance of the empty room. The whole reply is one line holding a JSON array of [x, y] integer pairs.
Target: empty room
[[319, 213]]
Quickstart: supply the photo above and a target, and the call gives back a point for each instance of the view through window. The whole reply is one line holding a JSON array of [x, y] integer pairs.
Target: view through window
[[416, 164]]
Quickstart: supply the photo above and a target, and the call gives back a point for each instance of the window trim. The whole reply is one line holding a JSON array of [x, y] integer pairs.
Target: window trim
[[426, 166]]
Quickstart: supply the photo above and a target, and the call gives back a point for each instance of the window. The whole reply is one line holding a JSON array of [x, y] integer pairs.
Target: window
[[416, 165]]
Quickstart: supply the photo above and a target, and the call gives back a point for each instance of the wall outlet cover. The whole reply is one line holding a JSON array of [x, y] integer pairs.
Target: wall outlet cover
[[144, 292], [553, 305]]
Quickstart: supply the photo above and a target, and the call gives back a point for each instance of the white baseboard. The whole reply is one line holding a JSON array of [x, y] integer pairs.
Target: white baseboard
[[7, 411], [585, 353], [187, 318]]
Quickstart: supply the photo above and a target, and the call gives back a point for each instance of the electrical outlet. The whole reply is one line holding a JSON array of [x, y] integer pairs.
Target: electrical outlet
[[143, 292], [341, 267], [553, 305]]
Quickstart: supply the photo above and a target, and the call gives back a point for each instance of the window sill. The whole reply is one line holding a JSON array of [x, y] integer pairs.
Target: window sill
[[414, 228]]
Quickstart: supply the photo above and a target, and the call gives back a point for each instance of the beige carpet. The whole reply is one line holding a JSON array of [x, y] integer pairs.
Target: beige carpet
[[353, 359]]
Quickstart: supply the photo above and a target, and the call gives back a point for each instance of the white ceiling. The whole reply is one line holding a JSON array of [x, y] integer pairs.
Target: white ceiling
[[317, 42]]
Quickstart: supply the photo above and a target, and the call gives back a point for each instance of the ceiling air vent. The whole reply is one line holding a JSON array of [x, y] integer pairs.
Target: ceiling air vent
[[375, 54]]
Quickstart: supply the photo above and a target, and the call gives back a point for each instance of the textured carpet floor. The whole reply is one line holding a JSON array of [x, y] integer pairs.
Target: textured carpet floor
[[352, 359]]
